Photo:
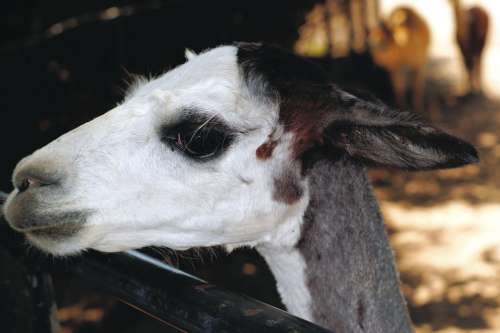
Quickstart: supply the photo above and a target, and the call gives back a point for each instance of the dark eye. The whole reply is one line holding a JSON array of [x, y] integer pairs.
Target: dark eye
[[201, 139]]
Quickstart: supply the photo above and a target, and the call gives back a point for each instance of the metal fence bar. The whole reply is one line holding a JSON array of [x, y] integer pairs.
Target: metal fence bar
[[179, 299], [163, 292]]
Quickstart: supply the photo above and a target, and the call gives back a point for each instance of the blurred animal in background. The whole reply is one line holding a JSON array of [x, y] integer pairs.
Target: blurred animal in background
[[400, 44], [472, 26]]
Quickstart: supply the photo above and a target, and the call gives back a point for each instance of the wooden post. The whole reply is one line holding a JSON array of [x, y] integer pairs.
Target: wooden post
[[358, 25]]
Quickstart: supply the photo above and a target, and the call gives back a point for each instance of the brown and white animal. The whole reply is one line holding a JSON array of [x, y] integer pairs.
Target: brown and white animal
[[401, 46], [472, 26], [243, 145]]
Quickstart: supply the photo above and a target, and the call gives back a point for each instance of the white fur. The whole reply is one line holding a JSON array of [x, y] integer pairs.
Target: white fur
[[142, 193], [288, 265], [289, 269]]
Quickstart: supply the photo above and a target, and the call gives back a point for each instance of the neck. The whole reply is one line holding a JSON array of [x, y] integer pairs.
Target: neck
[[341, 273]]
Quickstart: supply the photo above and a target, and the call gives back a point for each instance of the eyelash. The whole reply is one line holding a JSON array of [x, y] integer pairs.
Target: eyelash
[[200, 140]]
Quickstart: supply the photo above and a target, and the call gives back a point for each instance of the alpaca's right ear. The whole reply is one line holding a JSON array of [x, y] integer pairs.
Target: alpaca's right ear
[[380, 136]]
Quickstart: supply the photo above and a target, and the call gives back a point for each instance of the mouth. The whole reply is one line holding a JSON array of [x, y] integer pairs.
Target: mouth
[[51, 229], [54, 225], [59, 232]]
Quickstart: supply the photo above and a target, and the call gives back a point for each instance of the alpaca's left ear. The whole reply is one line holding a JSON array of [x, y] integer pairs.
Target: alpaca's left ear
[[380, 136]]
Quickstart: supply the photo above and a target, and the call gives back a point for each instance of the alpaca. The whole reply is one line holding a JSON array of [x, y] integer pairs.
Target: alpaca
[[472, 26], [401, 46], [243, 145]]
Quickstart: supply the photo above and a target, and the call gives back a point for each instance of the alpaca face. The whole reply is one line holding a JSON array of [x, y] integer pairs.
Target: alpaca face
[[214, 152], [174, 165]]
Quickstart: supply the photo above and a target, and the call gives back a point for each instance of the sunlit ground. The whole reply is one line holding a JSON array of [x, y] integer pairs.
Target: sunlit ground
[[445, 228], [449, 258], [445, 225]]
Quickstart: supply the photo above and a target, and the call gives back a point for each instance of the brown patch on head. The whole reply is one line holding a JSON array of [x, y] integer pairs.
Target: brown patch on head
[[287, 188], [306, 119], [301, 88], [265, 150]]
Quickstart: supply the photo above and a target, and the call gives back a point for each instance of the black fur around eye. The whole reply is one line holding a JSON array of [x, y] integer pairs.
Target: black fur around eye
[[198, 138]]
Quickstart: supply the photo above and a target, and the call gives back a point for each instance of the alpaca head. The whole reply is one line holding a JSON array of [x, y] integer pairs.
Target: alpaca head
[[214, 152]]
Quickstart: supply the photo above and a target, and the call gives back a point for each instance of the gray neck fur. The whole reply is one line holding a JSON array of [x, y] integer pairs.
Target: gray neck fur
[[350, 269], [342, 274]]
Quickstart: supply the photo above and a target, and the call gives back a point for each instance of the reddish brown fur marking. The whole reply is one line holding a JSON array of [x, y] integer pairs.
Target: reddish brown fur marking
[[265, 150], [287, 188], [305, 118], [303, 89]]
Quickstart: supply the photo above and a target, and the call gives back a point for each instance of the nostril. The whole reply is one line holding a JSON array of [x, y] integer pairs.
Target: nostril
[[23, 186], [36, 174], [31, 182]]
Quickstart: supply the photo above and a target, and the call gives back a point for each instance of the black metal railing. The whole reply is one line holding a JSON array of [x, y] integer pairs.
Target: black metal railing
[[179, 299], [159, 290]]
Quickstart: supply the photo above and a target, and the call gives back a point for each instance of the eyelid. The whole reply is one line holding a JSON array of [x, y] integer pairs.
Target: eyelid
[[183, 136], [200, 128]]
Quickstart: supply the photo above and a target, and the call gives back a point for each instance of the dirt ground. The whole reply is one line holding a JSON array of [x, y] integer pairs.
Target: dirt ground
[[445, 227]]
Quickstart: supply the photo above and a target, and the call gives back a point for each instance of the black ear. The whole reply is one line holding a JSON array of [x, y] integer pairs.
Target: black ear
[[376, 135], [324, 118]]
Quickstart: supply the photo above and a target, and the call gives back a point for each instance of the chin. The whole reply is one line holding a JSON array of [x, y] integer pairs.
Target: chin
[[57, 248]]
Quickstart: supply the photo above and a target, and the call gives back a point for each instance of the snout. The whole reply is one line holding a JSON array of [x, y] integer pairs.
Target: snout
[[40, 206], [32, 180], [33, 172]]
